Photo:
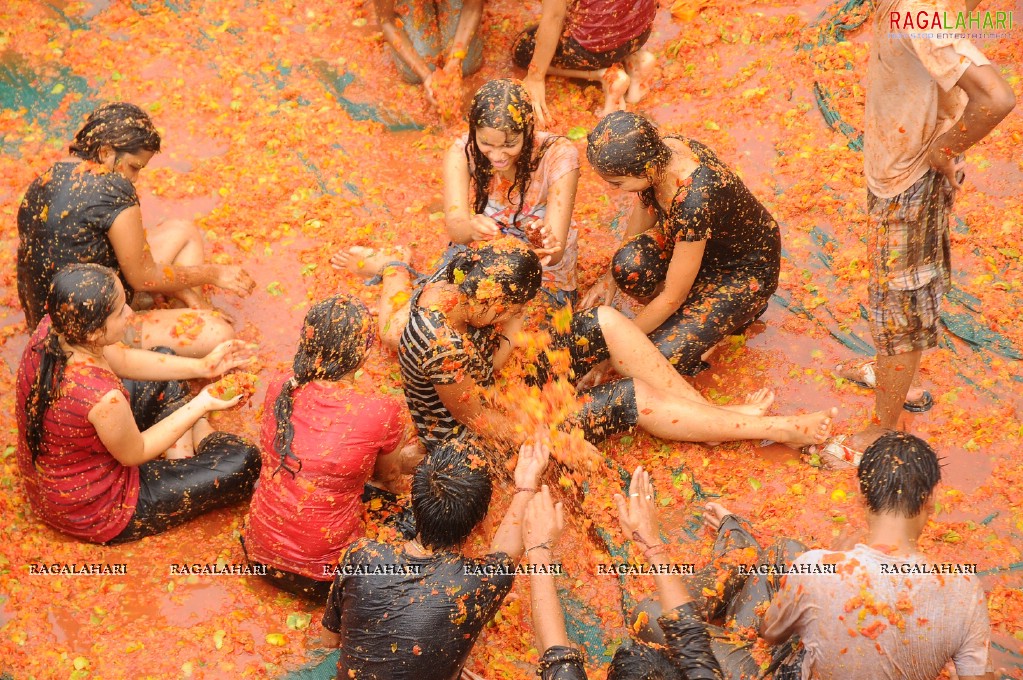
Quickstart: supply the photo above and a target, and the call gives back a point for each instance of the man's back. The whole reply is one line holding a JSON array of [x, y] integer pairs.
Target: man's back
[[882, 616]]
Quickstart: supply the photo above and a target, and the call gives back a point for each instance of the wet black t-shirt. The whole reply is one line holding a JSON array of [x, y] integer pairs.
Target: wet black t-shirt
[[411, 626], [63, 219], [715, 205]]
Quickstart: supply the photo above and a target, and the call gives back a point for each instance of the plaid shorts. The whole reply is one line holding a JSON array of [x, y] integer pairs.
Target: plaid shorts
[[910, 266]]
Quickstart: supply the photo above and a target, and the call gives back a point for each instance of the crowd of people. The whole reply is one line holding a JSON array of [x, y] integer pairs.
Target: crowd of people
[[114, 447]]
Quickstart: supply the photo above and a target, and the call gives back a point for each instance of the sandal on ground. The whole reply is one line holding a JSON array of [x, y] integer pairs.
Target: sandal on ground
[[837, 449], [869, 381]]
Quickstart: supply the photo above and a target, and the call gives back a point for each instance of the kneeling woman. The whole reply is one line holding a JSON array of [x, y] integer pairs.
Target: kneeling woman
[[323, 439], [460, 329], [88, 442], [699, 251]]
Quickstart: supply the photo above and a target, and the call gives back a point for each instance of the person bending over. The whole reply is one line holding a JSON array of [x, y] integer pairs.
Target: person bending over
[[588, 39], [88, 443], [86, 210], [699, 252], [421, 622], [888, 611], [462, 326], [323, 439]]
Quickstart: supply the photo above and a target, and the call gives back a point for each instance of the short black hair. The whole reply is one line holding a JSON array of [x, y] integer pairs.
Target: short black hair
[[451, 491], [898, 474], [639, 661]]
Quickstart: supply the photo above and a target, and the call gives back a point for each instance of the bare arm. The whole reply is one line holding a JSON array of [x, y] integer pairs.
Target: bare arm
[[991, 100], [116, 428], [464, 400], [548, 33], [682, 271], [142, 364], [468, 24], [463, 224], [533, 457], [560, 201], [542, 526], [396, 38], [388, 468], [140, 270], [640, 219]]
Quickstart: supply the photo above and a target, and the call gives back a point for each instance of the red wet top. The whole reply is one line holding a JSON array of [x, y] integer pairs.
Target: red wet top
[[603, 25], [75, 485], [302, 524]]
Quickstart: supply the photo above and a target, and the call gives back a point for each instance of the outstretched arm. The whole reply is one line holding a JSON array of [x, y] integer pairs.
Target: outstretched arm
[[548, 34], [468, 24], [533, 457], [398, 39], [143, 364], [542, 526]]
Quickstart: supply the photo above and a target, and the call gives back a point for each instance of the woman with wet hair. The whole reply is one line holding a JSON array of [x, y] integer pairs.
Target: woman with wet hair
[[323, 438], [85, 209], [95, 416], [461, 329], [504, 178], [700, 252]]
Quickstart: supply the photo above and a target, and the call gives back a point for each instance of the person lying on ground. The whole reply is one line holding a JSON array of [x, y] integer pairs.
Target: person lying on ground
[[504, 179], [94, 416], [86, 210], [591, 40], [686, 644], [700, 252], [888, 610], [414, 611], [326, 441], [462, 328], [422, 33]]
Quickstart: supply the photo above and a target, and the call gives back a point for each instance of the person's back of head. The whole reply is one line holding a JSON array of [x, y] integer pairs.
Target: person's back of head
[[639, 661], [625, 144], [122, 126], [451, 491], [504, 268], [898, 474]]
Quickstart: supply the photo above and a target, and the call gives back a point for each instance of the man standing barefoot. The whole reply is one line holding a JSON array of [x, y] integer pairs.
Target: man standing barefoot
[[929, 99]]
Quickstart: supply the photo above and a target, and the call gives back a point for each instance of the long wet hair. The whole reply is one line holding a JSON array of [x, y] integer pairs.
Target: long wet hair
[[451, 491], [336, 336], [81, 298], [898, 474], [122, 126], [503, 105], [506, 268], [625, 144]]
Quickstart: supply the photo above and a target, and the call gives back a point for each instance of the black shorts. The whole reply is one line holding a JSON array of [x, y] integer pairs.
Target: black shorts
[[573, 56]]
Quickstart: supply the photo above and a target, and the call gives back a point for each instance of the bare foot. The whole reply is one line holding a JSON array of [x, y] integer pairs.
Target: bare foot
[[638, 66], [862, 372], [811, 428], [714, 514], [616, 83], [367, 261], [756, 404]]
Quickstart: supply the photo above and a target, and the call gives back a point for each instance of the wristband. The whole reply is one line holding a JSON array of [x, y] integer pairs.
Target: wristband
[[654, 550], [546, 545]]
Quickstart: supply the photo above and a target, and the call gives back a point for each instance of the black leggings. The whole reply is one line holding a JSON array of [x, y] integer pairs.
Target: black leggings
[[571, 55], [610, 408], [720, 303], [223, 471]]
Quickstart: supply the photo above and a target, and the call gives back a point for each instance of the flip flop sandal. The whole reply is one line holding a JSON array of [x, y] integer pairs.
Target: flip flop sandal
[[838, 449], [869, 382]]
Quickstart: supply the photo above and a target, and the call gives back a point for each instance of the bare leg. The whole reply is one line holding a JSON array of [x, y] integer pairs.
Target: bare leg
[[614, 80], [189, 332], [639, 66], [200, 431], [179, 242], [895, 374], [182, 448], [393, 312], [668, 417]]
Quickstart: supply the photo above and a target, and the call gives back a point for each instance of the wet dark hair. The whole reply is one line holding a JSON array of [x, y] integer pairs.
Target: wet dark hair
[[506, 264], [898, 474], [124, 127], [81, 298], [451, 491], [336, 335], [625, 144], [503, 105], [638, 661]]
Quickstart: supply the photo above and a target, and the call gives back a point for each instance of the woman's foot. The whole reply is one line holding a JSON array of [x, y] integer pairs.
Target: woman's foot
[[368, 261], [862, 373], [638, 66], [714, 514], [756, 404], [616, 83], [811, 428]]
